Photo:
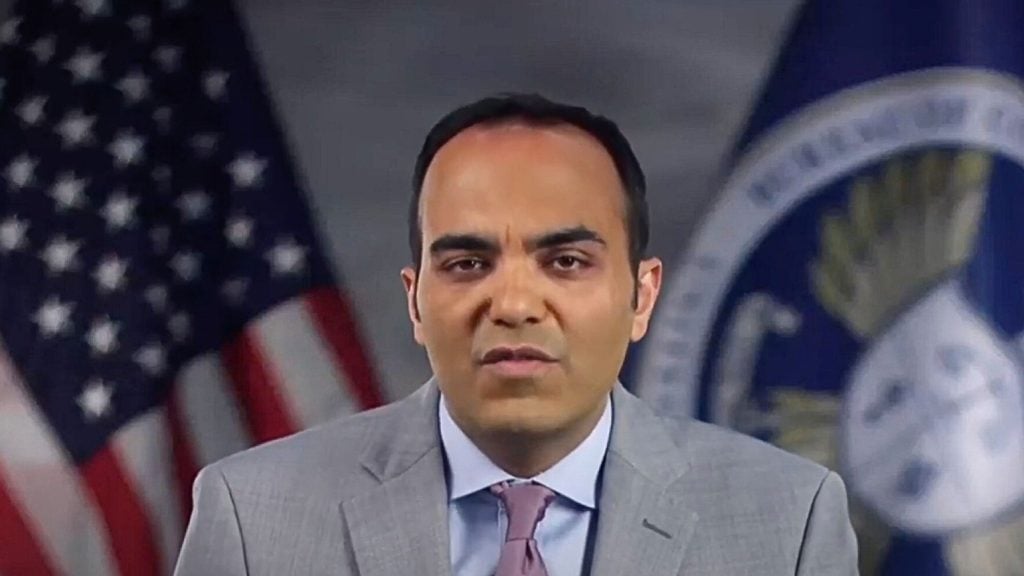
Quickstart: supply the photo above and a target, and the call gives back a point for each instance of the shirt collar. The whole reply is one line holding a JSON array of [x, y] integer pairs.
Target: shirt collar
[[574, 477]]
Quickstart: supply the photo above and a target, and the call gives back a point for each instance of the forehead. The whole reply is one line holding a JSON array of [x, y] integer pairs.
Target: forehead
[[517, 177]]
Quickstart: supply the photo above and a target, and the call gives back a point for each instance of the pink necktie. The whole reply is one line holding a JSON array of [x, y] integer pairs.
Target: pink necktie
[[525, 505]]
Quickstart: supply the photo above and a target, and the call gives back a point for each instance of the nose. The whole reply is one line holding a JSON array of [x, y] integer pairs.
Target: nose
[[516, 298]]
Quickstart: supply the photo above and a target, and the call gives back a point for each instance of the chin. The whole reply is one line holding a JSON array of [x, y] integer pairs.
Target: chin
[[518, 417]]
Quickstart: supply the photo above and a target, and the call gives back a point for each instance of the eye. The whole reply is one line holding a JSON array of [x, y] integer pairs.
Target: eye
[[567, 262], [465, 265]]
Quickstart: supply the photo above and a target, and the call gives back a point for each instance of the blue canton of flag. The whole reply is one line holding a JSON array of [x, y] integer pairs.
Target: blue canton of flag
[[163, 298], [856, 295]]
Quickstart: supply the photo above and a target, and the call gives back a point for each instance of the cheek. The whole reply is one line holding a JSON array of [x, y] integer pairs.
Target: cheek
[[600, 333], [441, 309], [443, 338], [446, 327]]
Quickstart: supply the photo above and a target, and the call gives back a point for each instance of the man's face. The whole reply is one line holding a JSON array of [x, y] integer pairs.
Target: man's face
[[524, 298]]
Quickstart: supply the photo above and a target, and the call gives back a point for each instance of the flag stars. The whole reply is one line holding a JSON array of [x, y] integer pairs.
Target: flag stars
[[31, 110], [152, 358], [194, 205], [215, 84], [287, 258], [84, 65], [75, 129], [234, 290], [247, 170], [12, 234], [239, 231], [140, 26], [180, 326], [21, 171], [134, 87], [53, 317], [102, 336], [186, 265], [204, 144], [127, 149], [162, 117], [168, 57], [119, 211], [95, 399], [44, 48], [162, 174], [156, 296], [68, 192], [9, 33], [93, 8], [110, 273], [61, 255]]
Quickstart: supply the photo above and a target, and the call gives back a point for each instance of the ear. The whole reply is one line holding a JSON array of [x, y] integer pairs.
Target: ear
[[409, 281], [648, 287]]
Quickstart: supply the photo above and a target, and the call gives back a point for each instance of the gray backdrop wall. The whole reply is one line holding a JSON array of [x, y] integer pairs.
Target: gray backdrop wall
[[358, 83]]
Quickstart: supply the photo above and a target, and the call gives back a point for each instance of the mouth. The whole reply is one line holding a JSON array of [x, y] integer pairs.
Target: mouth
[[517, 361]]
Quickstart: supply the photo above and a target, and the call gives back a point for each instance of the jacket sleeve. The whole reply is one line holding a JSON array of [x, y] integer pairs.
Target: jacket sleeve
[[829, 546], [213, 542]]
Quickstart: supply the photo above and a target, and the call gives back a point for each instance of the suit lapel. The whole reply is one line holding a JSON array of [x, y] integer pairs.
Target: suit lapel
[[643, 527], [401, 526]]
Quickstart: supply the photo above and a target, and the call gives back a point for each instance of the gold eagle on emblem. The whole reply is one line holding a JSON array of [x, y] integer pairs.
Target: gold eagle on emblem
[[906, 229]]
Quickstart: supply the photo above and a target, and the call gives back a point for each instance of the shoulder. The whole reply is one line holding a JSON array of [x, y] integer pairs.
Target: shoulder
[[722, 450], [707, 450], [319, 459], [732, 475], [744, 490], [285, 495]]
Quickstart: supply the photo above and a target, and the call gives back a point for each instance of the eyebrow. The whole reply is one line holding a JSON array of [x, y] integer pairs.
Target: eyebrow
[[477, 243], [462, 242], [563, 237]]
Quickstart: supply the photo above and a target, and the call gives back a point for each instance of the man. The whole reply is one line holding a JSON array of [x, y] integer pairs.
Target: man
[[523, 455]]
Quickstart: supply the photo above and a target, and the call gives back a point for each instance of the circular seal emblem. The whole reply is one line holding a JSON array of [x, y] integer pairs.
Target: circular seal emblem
[[857, 296]]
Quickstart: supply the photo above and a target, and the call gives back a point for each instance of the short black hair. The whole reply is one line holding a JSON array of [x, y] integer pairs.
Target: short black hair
[[537, 110]]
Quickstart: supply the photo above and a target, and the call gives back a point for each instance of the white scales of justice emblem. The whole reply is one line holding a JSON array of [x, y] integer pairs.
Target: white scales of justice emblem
[[931, 430], [932, 437]]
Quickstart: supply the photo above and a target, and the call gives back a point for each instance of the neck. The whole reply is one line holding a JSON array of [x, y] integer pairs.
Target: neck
[[525, 455]]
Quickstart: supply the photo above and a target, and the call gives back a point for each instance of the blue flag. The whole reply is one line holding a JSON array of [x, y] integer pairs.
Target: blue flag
[[856, 295]]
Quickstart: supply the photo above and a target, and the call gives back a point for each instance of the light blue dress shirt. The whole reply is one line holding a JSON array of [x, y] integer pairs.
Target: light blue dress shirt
[[477, 520]]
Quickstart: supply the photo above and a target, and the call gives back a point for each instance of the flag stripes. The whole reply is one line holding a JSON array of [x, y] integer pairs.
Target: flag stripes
[[279, 376]]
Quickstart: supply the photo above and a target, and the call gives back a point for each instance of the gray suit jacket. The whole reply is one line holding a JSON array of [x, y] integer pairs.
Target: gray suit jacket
[[366, 495]]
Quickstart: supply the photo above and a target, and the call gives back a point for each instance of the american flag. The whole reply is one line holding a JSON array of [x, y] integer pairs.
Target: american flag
[[163, 298]]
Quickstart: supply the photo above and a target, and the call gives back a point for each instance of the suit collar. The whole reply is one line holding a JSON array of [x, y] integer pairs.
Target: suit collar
[[638, 437], [643, 442], [643, 524], [401, 525], [402, 439]]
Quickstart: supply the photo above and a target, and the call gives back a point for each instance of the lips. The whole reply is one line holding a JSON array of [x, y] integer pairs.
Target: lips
[[515, 354], [517, 363]]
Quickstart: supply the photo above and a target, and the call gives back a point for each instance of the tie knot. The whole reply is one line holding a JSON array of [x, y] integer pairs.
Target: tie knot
[[525, 505]]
